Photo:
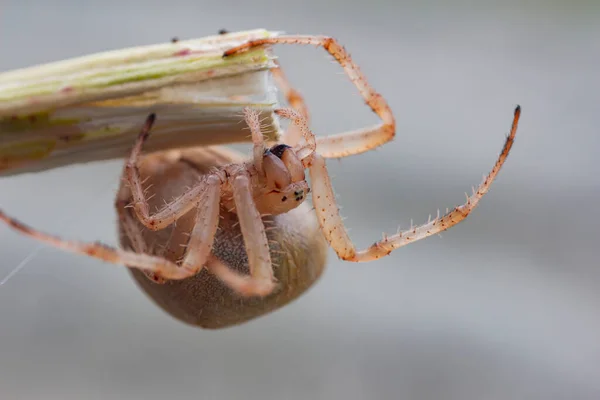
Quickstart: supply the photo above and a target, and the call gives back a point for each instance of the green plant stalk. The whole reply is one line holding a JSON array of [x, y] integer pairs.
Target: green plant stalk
[[91, 108]]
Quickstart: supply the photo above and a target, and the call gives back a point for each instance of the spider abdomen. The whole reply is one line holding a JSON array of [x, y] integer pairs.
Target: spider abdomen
[[298, 249]]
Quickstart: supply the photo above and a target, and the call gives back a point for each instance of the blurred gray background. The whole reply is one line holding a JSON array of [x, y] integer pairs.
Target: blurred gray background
[[503, 306]]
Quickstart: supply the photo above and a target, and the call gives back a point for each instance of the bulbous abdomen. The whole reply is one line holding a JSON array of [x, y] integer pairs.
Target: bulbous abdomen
[[298, 249]]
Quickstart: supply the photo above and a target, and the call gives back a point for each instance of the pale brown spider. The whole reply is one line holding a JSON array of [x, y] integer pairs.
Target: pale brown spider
[[272, 182]]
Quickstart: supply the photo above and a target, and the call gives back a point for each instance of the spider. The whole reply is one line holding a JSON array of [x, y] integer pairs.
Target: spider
[[271, 183]]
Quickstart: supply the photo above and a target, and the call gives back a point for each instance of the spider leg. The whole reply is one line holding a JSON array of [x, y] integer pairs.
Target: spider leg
[[202, 235], [205, 227], [307, 149], [292, 95], [347, 143], [292, 135], [157, 265], [261, 281], [172, 211], [132, 231], [239, 283], [130, 227], [258, 140], [335, 232]]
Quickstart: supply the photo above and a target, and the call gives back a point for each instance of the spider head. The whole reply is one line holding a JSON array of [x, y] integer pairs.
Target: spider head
[[286, 185]]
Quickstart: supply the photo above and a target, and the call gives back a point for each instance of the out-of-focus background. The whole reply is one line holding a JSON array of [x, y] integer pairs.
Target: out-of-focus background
[[503, 306]]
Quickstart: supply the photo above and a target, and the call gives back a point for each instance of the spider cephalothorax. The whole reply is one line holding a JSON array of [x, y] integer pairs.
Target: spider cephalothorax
[[285, 185]]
